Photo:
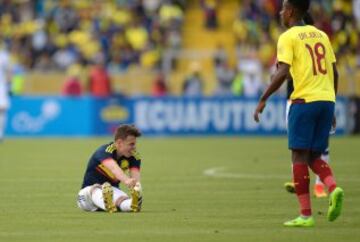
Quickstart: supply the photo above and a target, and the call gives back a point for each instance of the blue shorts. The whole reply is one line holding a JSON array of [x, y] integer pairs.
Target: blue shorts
[[309, 125]]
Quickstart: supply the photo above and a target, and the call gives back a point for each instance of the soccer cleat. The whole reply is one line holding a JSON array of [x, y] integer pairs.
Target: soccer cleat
[[300, 222], [289, 187], [335, 204], [319, 190], [136, 198], [107, 192]]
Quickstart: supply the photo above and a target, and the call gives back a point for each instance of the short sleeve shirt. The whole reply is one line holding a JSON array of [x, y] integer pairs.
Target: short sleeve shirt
[[309, 53]]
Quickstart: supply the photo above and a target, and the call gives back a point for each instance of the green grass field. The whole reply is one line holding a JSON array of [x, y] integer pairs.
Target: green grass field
[[195, 189]]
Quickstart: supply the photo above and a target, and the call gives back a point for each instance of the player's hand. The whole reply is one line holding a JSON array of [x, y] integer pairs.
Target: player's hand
[[130, 182], [260, 107]]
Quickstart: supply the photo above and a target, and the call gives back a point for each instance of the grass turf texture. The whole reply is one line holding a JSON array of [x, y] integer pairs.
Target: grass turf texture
[[40, 179]]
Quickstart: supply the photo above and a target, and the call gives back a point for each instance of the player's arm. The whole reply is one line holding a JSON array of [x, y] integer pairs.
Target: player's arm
[[336, 77], [336, 80], [135, 173], [135, 163], [277, 79], [118, 172]]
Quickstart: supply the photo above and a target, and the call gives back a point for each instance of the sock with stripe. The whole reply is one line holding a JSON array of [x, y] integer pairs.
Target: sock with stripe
[[325, 157], [323, 170], [302, 181]]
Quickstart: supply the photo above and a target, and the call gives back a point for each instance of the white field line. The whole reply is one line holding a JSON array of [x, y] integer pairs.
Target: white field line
[[221, 172]]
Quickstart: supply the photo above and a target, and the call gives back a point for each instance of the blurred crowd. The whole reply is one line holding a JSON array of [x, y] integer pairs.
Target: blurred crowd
[[258, 25], [67, 35], [54, 34], [110, 36], [257, 28]]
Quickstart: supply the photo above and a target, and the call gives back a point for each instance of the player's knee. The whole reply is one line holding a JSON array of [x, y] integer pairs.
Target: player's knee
[[84, 201], [94, 187], [314, 155], [300, 156]]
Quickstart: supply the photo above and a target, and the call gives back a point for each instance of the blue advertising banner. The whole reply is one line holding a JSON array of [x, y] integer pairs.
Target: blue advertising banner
[[216, 116], [108, 113], [88, 116], [228, 116], [38, 116]]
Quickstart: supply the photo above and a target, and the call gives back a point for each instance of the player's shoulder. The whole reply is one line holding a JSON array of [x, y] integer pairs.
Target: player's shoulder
[[325, 35], [314, 28], [287, 35], [136, 155], [321, 32], [106, 148], [110, 148]]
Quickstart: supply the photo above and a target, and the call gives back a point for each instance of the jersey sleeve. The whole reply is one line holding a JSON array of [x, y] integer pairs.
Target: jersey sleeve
[[285, 51], [103, 153]]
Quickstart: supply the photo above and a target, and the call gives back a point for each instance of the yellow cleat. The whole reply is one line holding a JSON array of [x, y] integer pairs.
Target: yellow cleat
[[301, 222], [335, 204], [319, 190], [289, 187], [107, 192], [136, 198]]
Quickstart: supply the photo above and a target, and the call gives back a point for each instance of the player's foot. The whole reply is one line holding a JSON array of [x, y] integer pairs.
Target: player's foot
[[107, 192], [335, 204], [289, 187], [301, 222], [319, 190], [136, 197]]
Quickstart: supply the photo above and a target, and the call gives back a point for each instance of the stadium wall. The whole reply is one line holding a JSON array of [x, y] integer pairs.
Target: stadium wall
[[89, 116]]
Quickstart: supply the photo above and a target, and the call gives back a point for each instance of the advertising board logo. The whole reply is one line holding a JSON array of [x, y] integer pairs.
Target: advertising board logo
[[24, 122], [114, 113]]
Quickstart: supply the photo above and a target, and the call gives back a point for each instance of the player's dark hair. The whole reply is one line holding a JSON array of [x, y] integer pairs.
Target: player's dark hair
[[301, 5], [126, 130], [308, 19]]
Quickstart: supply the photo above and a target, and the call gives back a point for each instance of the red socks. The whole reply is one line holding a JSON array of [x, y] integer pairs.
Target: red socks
[[322, 169], [302, 182]]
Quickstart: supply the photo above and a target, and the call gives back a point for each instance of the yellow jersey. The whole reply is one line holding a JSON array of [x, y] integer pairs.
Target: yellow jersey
[[310, 55]]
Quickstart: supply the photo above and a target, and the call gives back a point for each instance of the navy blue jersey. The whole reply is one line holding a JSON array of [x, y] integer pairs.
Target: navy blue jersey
[[96, 172]]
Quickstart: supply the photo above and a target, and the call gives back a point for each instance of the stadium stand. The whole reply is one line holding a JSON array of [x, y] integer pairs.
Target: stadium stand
[[138, 39]]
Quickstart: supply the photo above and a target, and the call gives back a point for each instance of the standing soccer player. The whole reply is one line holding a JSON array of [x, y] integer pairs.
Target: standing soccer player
[[107, 167], [306, 53], [319, 188]]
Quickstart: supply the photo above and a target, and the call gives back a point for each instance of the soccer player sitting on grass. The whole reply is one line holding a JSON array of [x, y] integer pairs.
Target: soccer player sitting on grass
[[306, 53], [106, 168]]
